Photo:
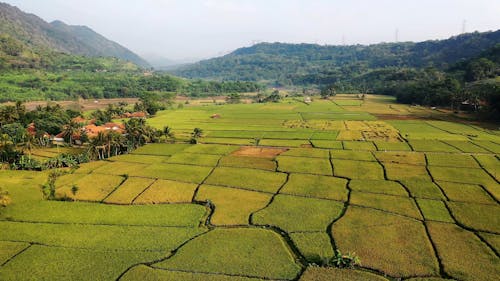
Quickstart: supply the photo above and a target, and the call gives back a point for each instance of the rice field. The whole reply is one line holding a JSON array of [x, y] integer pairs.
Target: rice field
[[270, 192]]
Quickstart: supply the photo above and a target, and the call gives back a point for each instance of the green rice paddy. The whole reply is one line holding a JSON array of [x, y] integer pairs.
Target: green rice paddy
[[270, 192]]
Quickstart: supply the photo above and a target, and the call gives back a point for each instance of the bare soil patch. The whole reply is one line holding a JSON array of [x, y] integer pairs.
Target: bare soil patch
[[255, 151]]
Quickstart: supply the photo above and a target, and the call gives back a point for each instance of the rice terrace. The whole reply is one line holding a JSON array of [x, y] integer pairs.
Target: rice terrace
[[270, 192]]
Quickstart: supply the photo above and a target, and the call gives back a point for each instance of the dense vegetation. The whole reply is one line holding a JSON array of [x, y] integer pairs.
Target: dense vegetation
[[42, 61], [35, 74], [305, 64], [76, 40], [458, 70]]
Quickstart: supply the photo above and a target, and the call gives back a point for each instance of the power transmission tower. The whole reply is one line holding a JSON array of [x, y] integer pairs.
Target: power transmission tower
[[464, 26], [396, 35]]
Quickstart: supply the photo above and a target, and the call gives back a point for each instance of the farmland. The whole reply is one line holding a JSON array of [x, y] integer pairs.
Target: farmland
[[270, 192]]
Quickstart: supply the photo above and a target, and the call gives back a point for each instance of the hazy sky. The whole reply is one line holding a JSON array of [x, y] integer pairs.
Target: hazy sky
[[180, 29]]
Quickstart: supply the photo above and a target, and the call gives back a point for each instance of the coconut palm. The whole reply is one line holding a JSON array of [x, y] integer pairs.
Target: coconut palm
[[70, 130]]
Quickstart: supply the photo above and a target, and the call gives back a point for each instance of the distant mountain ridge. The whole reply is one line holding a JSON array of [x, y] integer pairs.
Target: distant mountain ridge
[[77, 40], [300, 64]]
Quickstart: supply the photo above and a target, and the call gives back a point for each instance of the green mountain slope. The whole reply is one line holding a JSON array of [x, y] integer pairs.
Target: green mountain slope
[[77, 40], [305, 64]]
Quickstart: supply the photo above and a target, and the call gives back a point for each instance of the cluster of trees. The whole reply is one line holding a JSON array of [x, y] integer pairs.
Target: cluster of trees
[[474, 83], [25, 85], [21, 130], [281, 64], [29, 73]]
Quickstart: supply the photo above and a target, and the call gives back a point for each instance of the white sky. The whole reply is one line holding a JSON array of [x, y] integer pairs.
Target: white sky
[[180, 29]]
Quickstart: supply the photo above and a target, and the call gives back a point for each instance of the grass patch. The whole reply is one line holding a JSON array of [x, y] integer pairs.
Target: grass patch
[[451, 160], [431, 146], [247, 178], [422, 188], [307, 152], [352, 155], [489, 145], [411, 158], [68, 179], [9, 249], [325, 135], [284, 143], [491, 163], [395, 204], [232, 206], [304, 165], [327, 144], [237, 251], [91, 187], [162, 149], [378, 186], [119, 168], [235, 134], [293, 213], [477, 216], [464, 192], [215, 149], [350, 135], [455, 174], [176, 172], [404, 171], [492, 239], [314, 246], [348, 102], [185, 215], [72, 264], [129, 190], [142, 272], [390, 243], [462, 254], [87, 168], [466, 146], [236, 141], [248, 162], [315, 273], [359, 145], [392, 146], [167, 191], [101, 237], [139, 158], [293, 135], [316, 186], [434, 210], [357, 169], [194, 159]]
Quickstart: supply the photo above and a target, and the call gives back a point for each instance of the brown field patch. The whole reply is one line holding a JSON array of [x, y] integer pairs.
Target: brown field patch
[[260, 152]]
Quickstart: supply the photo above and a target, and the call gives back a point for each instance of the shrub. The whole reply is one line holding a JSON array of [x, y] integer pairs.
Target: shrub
[[4, 198], [343, 261]]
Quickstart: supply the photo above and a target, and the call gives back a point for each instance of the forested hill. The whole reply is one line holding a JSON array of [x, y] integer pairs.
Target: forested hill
[[76, 40], [303, 64]]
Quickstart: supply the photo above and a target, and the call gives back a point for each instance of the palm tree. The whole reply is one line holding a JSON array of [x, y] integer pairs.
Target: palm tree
[[97, 146], [70, 130], [168, 133], [197, 133], [114, 143], [136, 132]]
